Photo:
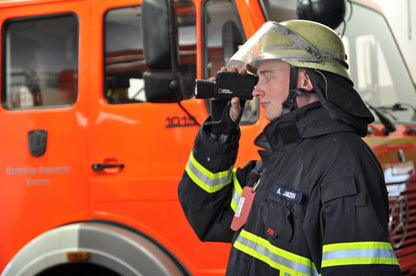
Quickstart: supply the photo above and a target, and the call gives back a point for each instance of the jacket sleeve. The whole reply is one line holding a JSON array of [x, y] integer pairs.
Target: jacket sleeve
[[209, 188], [354, 216]]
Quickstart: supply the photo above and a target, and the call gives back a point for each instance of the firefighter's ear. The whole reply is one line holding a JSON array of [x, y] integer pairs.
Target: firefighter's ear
[[304, 81]]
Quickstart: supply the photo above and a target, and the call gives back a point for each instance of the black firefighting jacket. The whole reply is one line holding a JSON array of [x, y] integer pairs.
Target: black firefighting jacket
[[320, 204]]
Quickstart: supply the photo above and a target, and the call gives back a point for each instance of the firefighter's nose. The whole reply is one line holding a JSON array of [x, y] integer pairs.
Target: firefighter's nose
[[257, 91]]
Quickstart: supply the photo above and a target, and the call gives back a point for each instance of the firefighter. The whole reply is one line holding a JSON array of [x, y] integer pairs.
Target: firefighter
[[316, 202]]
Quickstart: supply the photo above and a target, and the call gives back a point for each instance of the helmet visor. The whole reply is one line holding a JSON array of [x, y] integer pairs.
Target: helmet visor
[[276, 41]]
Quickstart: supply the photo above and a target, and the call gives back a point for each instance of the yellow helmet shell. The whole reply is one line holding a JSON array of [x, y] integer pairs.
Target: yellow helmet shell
[[301, 43]]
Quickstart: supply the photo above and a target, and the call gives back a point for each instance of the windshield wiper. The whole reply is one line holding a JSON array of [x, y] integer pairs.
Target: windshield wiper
[[387, 123], [402, 107], [398, 107]]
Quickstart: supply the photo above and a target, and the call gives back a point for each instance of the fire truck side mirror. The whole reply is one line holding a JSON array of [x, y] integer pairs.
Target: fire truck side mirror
[[160, 87], [163, 83], [159, 34]]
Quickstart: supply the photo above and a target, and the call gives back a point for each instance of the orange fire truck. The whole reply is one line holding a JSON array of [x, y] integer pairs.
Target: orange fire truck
[[98, 119]]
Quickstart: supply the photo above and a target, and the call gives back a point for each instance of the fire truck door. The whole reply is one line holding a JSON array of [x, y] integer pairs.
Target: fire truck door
[[44, 121]]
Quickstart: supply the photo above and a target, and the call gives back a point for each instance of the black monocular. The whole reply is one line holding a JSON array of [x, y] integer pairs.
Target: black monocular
[[226, 86]]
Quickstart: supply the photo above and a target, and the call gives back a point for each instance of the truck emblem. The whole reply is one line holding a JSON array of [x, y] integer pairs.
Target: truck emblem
[[37, 141], [398, 221]]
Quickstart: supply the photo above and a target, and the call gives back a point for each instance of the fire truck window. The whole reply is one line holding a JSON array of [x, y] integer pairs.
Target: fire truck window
[[41, 62], [223, 35], [124, 63], [377, 67]]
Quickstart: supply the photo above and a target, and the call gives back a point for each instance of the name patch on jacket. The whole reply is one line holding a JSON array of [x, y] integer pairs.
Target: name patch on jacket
[[286, 193]]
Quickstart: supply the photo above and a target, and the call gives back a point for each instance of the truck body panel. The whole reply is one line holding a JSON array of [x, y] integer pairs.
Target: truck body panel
[[89, 150]]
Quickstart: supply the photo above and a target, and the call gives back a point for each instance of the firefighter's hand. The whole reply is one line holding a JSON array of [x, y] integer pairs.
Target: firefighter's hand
[[236, 105]]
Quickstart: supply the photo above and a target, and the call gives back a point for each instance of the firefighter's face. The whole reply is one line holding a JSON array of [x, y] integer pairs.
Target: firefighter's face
[[272, 89]]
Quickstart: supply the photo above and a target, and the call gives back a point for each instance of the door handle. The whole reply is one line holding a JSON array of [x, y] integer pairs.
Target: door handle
[[100, 166]]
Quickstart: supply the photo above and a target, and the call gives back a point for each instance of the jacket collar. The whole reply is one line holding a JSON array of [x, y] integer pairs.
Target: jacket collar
[[309, 121]]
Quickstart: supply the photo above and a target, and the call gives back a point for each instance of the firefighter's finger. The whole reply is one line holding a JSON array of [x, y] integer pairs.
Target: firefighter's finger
[[235, 109], [234, 70]]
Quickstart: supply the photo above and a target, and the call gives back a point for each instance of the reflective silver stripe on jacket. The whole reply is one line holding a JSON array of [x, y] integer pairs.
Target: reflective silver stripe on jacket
[[208, 181], [358, 253], [237, 190], [284, 261]]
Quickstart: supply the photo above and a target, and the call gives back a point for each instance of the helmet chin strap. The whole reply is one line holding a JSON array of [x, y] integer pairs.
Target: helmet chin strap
[[290, 103]]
